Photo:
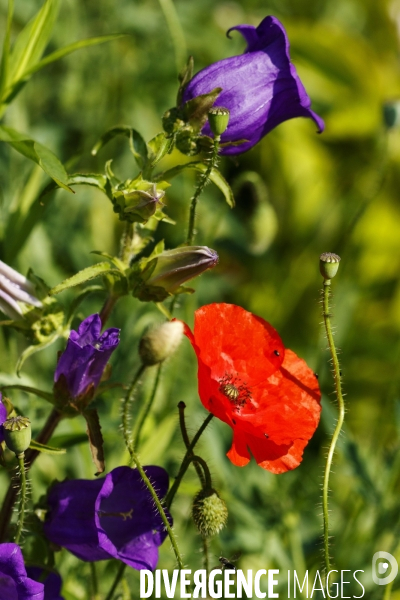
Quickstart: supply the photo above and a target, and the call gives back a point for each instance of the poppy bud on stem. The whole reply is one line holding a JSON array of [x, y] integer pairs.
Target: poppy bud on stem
[[329, 264], [17, 436]]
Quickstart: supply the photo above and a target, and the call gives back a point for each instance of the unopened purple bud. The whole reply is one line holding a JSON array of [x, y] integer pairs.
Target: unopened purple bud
[[175, 267], [16, 293]]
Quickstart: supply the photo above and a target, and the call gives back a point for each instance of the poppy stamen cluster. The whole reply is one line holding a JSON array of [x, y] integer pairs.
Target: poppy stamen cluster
[[237, 392]]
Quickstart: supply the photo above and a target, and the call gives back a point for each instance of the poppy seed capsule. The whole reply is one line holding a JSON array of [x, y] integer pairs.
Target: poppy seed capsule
[[218, 119], [158, 343], [328, 265], [209, 512], [17, 434]]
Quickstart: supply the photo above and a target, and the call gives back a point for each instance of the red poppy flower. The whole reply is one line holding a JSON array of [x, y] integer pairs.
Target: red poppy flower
[[267, 394]]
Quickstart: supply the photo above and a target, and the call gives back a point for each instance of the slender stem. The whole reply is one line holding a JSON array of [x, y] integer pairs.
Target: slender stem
[[125, 410], [23, 496], [30, 456], [339, 396], [185, 463], [145, 411], [203, 180], [117, 579], [207, 475], [95, 586], [186, 439], [205, 556], [160, 509], [107, 308]]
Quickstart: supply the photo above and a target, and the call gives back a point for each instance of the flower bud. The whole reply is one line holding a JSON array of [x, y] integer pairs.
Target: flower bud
[[328, 265], [16, 293], [218, 119], [17, 434], [209, 512], [139, 202], [158, 343], [175, 267]]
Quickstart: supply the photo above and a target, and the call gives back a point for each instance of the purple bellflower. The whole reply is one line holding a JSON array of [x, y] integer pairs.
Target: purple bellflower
[[14, 582], [51, 581], [86, 355], [3, 417], [260, 88], [113, 517]]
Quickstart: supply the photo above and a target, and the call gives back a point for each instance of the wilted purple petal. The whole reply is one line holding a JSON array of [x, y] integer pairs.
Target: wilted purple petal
[[260, 88], [14, 583]]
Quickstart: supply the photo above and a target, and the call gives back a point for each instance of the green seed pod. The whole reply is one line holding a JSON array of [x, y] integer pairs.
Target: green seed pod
[[158, 343], [17, 434], [209, 512], [328, 265], [218, 118]]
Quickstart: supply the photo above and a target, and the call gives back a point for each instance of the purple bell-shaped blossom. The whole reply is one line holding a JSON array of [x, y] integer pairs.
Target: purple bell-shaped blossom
[[51, 581], [86, 355], [14, 582], [114, 517], [260, 88]]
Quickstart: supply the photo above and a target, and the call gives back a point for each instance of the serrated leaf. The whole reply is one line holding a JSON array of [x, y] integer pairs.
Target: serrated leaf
[[38, 153], [216, 177], [82, 276], [117, 262], [137, 144], [46, 449], [95, 439]]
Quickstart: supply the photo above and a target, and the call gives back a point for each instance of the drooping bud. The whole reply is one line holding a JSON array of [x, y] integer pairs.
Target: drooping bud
[[17, 434], [329, 265], [218, 118], [158, 343], [175, 267], [16, 291], [209, 512]]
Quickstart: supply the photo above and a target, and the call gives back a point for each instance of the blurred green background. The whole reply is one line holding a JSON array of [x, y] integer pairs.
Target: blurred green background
[[298, 194]]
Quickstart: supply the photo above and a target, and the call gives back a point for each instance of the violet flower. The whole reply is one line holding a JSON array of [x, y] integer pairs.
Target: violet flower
[[86, 355], [14, 582], [51, 581], [260, 88], [3, 417], [114, 517]]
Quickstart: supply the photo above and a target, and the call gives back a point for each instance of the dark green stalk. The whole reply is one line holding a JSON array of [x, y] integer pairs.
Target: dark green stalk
[[185, 463], [202, 182], [186, 439], [117, 579], [125, 409], [145, 411]]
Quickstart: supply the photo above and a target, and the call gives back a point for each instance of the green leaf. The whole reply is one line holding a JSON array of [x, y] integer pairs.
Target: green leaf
[[68, 440], [158, 147], [31, 350], [95, 439], [184, 77], [92, 179], [216, 177], [83, 276], [4, 65], [117, 262], [46, 449], [137, 144], [32, 41], [196, 110], [30, 390], [38, 153], [50, 58]]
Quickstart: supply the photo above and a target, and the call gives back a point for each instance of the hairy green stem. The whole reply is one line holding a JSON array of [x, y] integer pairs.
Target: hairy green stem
[[125, 410], [186, 439], [137, 429], [23, 496], [30, 456], [185, 463], [116, 581], [160, 509], [202, 182], [336, 433], [205, 556]]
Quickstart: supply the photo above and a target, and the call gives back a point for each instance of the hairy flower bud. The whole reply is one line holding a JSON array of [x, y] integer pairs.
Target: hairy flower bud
[[175, 267], [328, 265], [158, 343], [16, 293], [209, 512], [17, 434], [218, 119]]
